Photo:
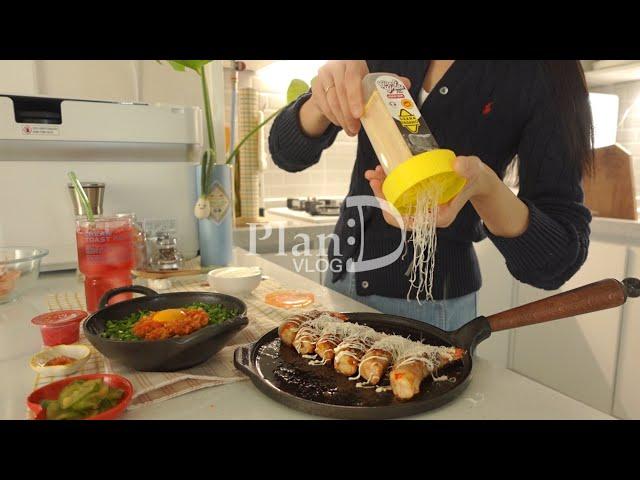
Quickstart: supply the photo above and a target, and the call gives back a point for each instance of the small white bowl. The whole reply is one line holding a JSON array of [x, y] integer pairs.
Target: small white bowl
[[80, 353], [235, 280]]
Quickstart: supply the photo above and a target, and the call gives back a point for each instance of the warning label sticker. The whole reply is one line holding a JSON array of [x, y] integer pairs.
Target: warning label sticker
[[406, 114], [409, 121], [40, 129]]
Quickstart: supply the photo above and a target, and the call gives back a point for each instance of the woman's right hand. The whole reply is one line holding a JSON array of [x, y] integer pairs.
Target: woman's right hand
[[336, 98]]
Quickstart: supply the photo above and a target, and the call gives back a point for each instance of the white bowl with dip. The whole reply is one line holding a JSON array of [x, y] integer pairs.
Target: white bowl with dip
[[79, 354], [235, 280]]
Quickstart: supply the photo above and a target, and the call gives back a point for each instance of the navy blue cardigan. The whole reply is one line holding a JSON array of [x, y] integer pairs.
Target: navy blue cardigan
[[495, 110]]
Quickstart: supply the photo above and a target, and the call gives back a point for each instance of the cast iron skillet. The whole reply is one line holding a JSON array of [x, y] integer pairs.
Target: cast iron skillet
[[279, 372], [172, 354]]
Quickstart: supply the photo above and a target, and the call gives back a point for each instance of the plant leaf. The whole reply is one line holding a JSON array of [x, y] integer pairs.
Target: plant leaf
[[296, 88], [178, 67], [195, 65], [206, 170]]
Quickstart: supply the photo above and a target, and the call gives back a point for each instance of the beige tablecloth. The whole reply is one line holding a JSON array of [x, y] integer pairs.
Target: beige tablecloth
[[153, 387]]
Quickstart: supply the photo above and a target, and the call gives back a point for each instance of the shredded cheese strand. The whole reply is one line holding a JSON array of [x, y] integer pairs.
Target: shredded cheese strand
[[424, 239]]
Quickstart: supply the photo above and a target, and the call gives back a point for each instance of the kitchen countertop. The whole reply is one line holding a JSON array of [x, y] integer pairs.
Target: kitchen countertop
[[287, 218], [494, 392], [280, 231], [626, 232], [304, 216]]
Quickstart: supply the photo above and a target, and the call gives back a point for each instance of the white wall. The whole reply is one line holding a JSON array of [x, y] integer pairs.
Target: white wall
[[101, 79], [17, 76]]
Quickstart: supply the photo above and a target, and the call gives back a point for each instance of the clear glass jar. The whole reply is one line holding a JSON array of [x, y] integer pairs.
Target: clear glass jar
[[141, 258]]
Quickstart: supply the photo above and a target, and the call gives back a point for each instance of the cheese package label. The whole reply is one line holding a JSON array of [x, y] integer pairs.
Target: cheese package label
[[405, 113]]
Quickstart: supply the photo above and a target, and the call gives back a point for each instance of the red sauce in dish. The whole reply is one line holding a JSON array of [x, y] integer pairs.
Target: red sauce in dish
[[190, 320], [62, 360], [289, 299]]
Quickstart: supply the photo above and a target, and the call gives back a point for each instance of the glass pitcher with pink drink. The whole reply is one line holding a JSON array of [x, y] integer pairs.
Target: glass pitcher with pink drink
[[106, 256]]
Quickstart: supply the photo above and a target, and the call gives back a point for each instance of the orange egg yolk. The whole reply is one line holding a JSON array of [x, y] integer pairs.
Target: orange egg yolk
[[164, 316]]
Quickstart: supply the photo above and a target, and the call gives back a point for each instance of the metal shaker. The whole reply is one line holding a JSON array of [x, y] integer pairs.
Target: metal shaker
[[95, 193]]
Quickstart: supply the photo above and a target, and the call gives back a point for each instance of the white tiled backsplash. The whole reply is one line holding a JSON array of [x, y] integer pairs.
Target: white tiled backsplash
[[330, 176], [629, 130]]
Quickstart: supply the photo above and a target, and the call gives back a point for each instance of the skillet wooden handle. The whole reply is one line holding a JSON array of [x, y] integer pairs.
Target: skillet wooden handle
[[596, 296]]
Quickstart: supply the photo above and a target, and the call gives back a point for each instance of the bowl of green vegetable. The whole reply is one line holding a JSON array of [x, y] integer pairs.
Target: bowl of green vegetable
[[164, 332], [98, 396]]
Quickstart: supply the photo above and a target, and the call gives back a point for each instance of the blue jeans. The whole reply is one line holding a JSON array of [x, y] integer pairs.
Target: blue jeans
[[447, 315]]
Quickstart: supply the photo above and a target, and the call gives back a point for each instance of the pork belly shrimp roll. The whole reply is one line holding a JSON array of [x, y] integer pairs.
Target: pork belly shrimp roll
[[331, 336], [309, 333], [381, 356], [288, 329], [413, 366], [352, 349]]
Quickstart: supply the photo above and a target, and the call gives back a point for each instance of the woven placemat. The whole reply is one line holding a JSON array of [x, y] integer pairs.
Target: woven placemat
[[154, 387]]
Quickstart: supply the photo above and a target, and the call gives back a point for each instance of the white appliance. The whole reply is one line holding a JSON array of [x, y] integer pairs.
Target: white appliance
[[145, 154]]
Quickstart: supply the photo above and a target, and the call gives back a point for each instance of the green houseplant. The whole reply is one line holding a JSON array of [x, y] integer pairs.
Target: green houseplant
[[202, 209]]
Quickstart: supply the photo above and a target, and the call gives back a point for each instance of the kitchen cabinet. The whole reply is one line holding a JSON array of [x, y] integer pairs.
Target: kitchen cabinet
[[576, 356], [626, 402], [495, 295]]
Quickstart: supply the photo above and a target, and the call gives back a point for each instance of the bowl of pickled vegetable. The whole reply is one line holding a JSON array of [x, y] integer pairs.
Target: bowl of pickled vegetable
[[98, 396]]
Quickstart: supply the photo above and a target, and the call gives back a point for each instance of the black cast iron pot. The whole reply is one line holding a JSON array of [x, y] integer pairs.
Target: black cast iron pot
[[172, 354]]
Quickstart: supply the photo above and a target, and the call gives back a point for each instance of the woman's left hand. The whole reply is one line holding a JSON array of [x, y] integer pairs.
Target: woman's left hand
[[481, 180]]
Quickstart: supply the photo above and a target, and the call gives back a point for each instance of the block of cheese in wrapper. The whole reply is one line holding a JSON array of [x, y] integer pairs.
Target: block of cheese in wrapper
[[404, 144]]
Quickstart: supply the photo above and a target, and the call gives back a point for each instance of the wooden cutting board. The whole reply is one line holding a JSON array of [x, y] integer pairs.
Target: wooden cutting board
[[610, 191], [154, 275]]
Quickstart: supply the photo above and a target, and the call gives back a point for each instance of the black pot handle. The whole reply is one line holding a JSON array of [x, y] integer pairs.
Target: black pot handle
[[242, 359], [471, 334], [130, 288]]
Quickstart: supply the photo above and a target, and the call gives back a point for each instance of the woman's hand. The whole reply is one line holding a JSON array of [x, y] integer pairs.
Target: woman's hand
[[481, 181], [336, 98]]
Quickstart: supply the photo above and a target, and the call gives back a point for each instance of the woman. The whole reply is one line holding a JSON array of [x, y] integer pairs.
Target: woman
[[488, 112]]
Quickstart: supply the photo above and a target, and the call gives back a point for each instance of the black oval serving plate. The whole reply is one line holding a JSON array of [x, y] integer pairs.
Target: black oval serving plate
[[172, 354], [282, 374]]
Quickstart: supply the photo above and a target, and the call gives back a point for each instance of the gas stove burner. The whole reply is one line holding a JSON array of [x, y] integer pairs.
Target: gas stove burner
[[315, 206], [296, 204]]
